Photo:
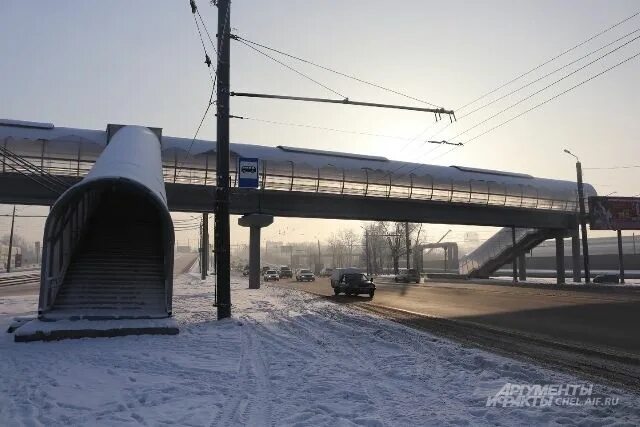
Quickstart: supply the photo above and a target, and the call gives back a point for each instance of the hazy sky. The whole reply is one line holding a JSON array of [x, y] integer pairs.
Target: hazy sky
[[88, 63]]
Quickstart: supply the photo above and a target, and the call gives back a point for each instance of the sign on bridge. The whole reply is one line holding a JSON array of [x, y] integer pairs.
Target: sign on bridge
[[247, 172], [614, 213]]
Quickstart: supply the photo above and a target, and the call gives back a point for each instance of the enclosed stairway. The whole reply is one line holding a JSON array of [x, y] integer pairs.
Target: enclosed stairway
[[117, 271], [499, 250]]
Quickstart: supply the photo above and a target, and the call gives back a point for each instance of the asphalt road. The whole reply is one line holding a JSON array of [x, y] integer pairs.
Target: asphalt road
[[601, 319]]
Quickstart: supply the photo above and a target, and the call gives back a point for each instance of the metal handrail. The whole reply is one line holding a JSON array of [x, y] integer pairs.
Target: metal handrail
[[453, 192]]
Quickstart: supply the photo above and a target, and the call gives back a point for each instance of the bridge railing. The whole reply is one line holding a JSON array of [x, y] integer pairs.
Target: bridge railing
[[288, 176]]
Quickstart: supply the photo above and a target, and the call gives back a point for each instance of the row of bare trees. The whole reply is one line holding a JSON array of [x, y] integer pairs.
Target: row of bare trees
[[386, 243]]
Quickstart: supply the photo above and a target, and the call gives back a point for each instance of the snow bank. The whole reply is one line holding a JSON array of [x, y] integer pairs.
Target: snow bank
[[285, 358]]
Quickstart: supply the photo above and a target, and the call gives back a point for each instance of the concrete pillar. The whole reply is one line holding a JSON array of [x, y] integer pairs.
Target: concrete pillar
[[255, 222], [560, 275], [514, 263], [522, 267], [575, 256]]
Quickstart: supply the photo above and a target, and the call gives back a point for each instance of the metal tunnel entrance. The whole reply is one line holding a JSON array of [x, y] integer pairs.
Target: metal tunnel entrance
[[108, 243]]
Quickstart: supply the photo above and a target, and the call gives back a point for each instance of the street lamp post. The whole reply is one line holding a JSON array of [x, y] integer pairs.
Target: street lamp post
[[582, 217]]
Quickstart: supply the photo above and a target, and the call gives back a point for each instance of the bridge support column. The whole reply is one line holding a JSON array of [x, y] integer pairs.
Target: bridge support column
[[255, 222], [575, 256], [522, 267], [560, 273]]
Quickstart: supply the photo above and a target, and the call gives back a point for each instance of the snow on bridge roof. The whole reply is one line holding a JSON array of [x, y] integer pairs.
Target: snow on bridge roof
[[25, 138]]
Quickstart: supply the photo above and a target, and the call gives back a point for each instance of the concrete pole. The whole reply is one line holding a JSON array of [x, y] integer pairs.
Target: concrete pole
[[254, 257], [13, 220], [560, 274], [522, 267], [205, 246], [583, 225], [575, 256], [620, 257], [514, 264]]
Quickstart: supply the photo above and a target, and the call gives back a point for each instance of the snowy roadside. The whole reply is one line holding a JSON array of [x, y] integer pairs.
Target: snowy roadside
[[285, 358]]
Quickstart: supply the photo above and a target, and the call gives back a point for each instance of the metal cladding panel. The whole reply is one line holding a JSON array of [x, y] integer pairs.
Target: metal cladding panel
[[133, 153], [192, 153]]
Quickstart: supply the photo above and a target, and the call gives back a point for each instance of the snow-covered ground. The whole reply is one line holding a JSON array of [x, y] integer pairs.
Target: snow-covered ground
[[285, 358]]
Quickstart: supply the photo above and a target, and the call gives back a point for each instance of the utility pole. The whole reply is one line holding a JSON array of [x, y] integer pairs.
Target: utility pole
[[13, 219], [407, 244], [366, 249], [583, 219], [222, 232], [319, 255]]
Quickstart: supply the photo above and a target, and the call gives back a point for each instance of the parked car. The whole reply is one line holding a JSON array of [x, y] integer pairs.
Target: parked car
[[326, 272], [354, 284], [305, 275], [265, 269], [271, 275], [407, 276], [245, 271], [285, 272]]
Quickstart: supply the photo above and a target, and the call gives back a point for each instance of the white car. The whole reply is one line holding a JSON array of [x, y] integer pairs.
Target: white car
[[271, 275]]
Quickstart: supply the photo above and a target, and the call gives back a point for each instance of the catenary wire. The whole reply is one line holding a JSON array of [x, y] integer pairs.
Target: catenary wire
[[550, 60], [306, 61], [300, 73]]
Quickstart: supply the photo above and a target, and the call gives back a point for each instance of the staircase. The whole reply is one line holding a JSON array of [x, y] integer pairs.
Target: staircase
[[118, 269], [499, 250]]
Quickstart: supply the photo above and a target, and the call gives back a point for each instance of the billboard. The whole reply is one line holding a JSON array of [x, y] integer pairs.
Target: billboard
[[614, 213]]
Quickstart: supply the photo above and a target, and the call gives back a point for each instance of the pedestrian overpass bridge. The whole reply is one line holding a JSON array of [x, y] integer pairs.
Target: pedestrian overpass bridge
[[91, 178]]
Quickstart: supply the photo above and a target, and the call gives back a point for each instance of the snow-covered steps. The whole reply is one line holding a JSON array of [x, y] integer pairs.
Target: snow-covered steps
[[38, 330]]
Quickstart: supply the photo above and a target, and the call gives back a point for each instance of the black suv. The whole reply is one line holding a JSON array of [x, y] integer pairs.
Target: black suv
[[355, 284]]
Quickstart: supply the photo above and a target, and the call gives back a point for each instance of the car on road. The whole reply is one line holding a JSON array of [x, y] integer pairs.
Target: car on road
[[271, 275], [326, 272], [305, 275], [285, 272], [337, 274], [407, 276], [354, 284]]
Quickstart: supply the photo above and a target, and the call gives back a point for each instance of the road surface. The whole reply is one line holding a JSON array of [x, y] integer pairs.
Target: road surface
[[601, 319]]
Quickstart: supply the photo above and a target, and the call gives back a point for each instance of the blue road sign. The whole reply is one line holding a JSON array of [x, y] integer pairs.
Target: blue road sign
[[247, 172]]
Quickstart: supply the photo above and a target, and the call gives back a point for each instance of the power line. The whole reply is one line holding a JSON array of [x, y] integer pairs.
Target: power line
[[545, 102], [548, 74], [530, 83], [292, 69], [550, 60], [306, 61], [300, 125], [615, 167], [545, 88]]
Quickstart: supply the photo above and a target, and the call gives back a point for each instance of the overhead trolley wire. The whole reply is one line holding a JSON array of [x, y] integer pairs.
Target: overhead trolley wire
[[561, 54], [546, 87], [293, 69], [571, 49], [306, 61], [545, 102]]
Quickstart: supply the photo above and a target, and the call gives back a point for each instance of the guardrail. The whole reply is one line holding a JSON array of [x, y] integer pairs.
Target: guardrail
[[331, 180]]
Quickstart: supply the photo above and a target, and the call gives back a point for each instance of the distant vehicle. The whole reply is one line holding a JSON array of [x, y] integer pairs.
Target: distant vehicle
[[245, 270], [304, 275], [407, 276], [607, 278], [354, 284], [337, 273], [326, 272], [271, 275], [264, 269], [285, 272]]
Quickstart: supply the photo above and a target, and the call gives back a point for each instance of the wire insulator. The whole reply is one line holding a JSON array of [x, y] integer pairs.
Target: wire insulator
[[194, 8], [207, 60]]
